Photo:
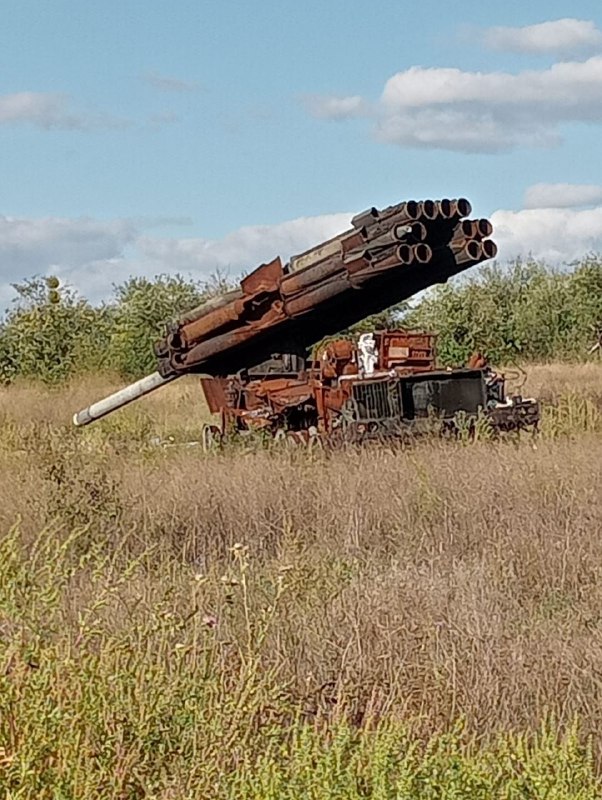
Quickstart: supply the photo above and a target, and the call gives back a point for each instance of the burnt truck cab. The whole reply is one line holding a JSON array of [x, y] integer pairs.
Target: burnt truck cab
[[416, 402], [379, 383], [418, 396]]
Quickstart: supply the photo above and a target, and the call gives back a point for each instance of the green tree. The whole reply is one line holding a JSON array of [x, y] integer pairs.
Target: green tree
[[143, 307], [51, 333], [525, 310], [587, 302]]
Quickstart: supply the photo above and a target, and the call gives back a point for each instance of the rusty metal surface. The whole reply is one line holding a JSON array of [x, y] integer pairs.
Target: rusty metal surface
[[263, 279], [463, 207], [446, 208], [212, 322], [422, 253], [210, 305], [406, 350], [367, 217], [218, 345], [316, 254], [429, 209], [470, 253], [385, 257], [298, 281], [409, 209], [489, 248], [282, 393], [317, 295], [214, 390], [334, 394], [484, 228]]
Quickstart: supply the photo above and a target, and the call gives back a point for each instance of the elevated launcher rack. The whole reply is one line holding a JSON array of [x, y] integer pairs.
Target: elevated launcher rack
[[387, 256]]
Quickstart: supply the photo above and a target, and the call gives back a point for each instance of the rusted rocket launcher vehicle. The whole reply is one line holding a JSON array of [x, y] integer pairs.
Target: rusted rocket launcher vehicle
[[381, 384], [262, 331]]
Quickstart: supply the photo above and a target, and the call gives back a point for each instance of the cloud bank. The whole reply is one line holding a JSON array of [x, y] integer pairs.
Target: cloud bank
[[50, 111], [555, 235], [562, 37], [487, 112], [93, 255], [562, 195]]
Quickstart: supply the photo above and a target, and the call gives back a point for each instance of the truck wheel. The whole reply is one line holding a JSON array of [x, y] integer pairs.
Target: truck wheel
[[210, 437]]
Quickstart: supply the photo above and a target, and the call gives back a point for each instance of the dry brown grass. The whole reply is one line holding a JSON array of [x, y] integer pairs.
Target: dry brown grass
[[177, 409], [549, 380], [440, 582], [279, 624], [181, 406]]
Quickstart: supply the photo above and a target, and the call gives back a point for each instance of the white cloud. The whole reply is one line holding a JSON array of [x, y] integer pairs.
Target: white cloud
[[50, 111], [166, 83], [243, 249], [561, 36], [562, 195], [35, 245], [573, 85], [447, 108], [39, 109], [93, 255], [556, 235], [75, 249], [334, 107]]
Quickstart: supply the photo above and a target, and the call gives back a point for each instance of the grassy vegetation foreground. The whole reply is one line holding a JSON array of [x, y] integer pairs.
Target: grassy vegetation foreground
[[380, 624]]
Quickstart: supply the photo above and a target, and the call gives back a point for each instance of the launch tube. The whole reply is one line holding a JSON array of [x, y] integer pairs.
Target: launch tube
[[121, 398]]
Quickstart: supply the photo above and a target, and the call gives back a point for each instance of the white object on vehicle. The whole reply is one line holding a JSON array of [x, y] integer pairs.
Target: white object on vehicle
[[367, 353]]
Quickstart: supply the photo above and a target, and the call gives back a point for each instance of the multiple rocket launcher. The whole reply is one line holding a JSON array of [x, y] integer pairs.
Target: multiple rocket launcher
[[384, 258]]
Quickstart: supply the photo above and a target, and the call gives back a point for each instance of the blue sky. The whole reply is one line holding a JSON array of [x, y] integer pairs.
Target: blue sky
[[145, 137]]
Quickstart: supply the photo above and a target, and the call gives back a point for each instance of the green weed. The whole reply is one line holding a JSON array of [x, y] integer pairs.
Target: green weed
[[113, 686]]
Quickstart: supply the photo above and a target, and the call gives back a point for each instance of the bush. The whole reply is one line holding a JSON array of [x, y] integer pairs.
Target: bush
[[526, 312], [50, 334], [142, 308]]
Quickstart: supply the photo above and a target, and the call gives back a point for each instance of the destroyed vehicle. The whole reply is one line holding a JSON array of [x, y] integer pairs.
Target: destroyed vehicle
[[382, 384], [386, 380]]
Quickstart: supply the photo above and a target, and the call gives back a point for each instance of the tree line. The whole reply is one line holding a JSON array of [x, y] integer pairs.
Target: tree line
[[524, 311]]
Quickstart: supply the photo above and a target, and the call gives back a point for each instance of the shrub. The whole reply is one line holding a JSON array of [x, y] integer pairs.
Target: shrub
[[142, 308], [50, 334], [527, 312]]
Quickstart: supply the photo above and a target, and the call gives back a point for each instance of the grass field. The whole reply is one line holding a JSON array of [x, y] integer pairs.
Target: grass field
[[389, 623]]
